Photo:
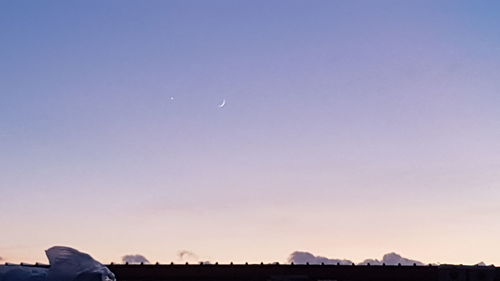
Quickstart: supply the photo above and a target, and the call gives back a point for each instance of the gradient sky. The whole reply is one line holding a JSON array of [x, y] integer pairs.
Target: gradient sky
[[352, 128]]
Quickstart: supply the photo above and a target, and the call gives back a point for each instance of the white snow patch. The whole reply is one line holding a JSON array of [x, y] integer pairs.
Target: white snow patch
[[66, 264]]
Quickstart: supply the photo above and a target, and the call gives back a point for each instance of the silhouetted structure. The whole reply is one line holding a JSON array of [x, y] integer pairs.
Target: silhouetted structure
[[276, 272]]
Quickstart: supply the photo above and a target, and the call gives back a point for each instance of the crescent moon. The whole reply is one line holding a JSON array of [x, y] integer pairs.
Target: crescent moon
[[222, 104]]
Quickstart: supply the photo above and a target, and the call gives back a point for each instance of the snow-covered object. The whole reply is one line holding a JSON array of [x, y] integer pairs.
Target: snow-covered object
[[66, 264]]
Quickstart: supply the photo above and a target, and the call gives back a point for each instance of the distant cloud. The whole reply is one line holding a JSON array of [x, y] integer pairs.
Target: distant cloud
[[392, 259], [134, 259], [185, 255], [306, 257], [483, 264], [389, 259], [1, 259]]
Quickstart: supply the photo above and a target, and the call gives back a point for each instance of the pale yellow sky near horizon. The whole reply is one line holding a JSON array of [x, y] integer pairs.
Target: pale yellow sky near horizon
[[271, 236]]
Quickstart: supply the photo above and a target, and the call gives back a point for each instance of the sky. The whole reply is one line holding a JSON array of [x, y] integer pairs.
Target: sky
[[351, 129]]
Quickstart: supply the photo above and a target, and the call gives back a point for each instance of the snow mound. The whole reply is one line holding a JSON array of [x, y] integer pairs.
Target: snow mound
[[66, 264]]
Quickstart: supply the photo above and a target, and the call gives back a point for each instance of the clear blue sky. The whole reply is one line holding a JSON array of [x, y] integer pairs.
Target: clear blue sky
[[351, 128]]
